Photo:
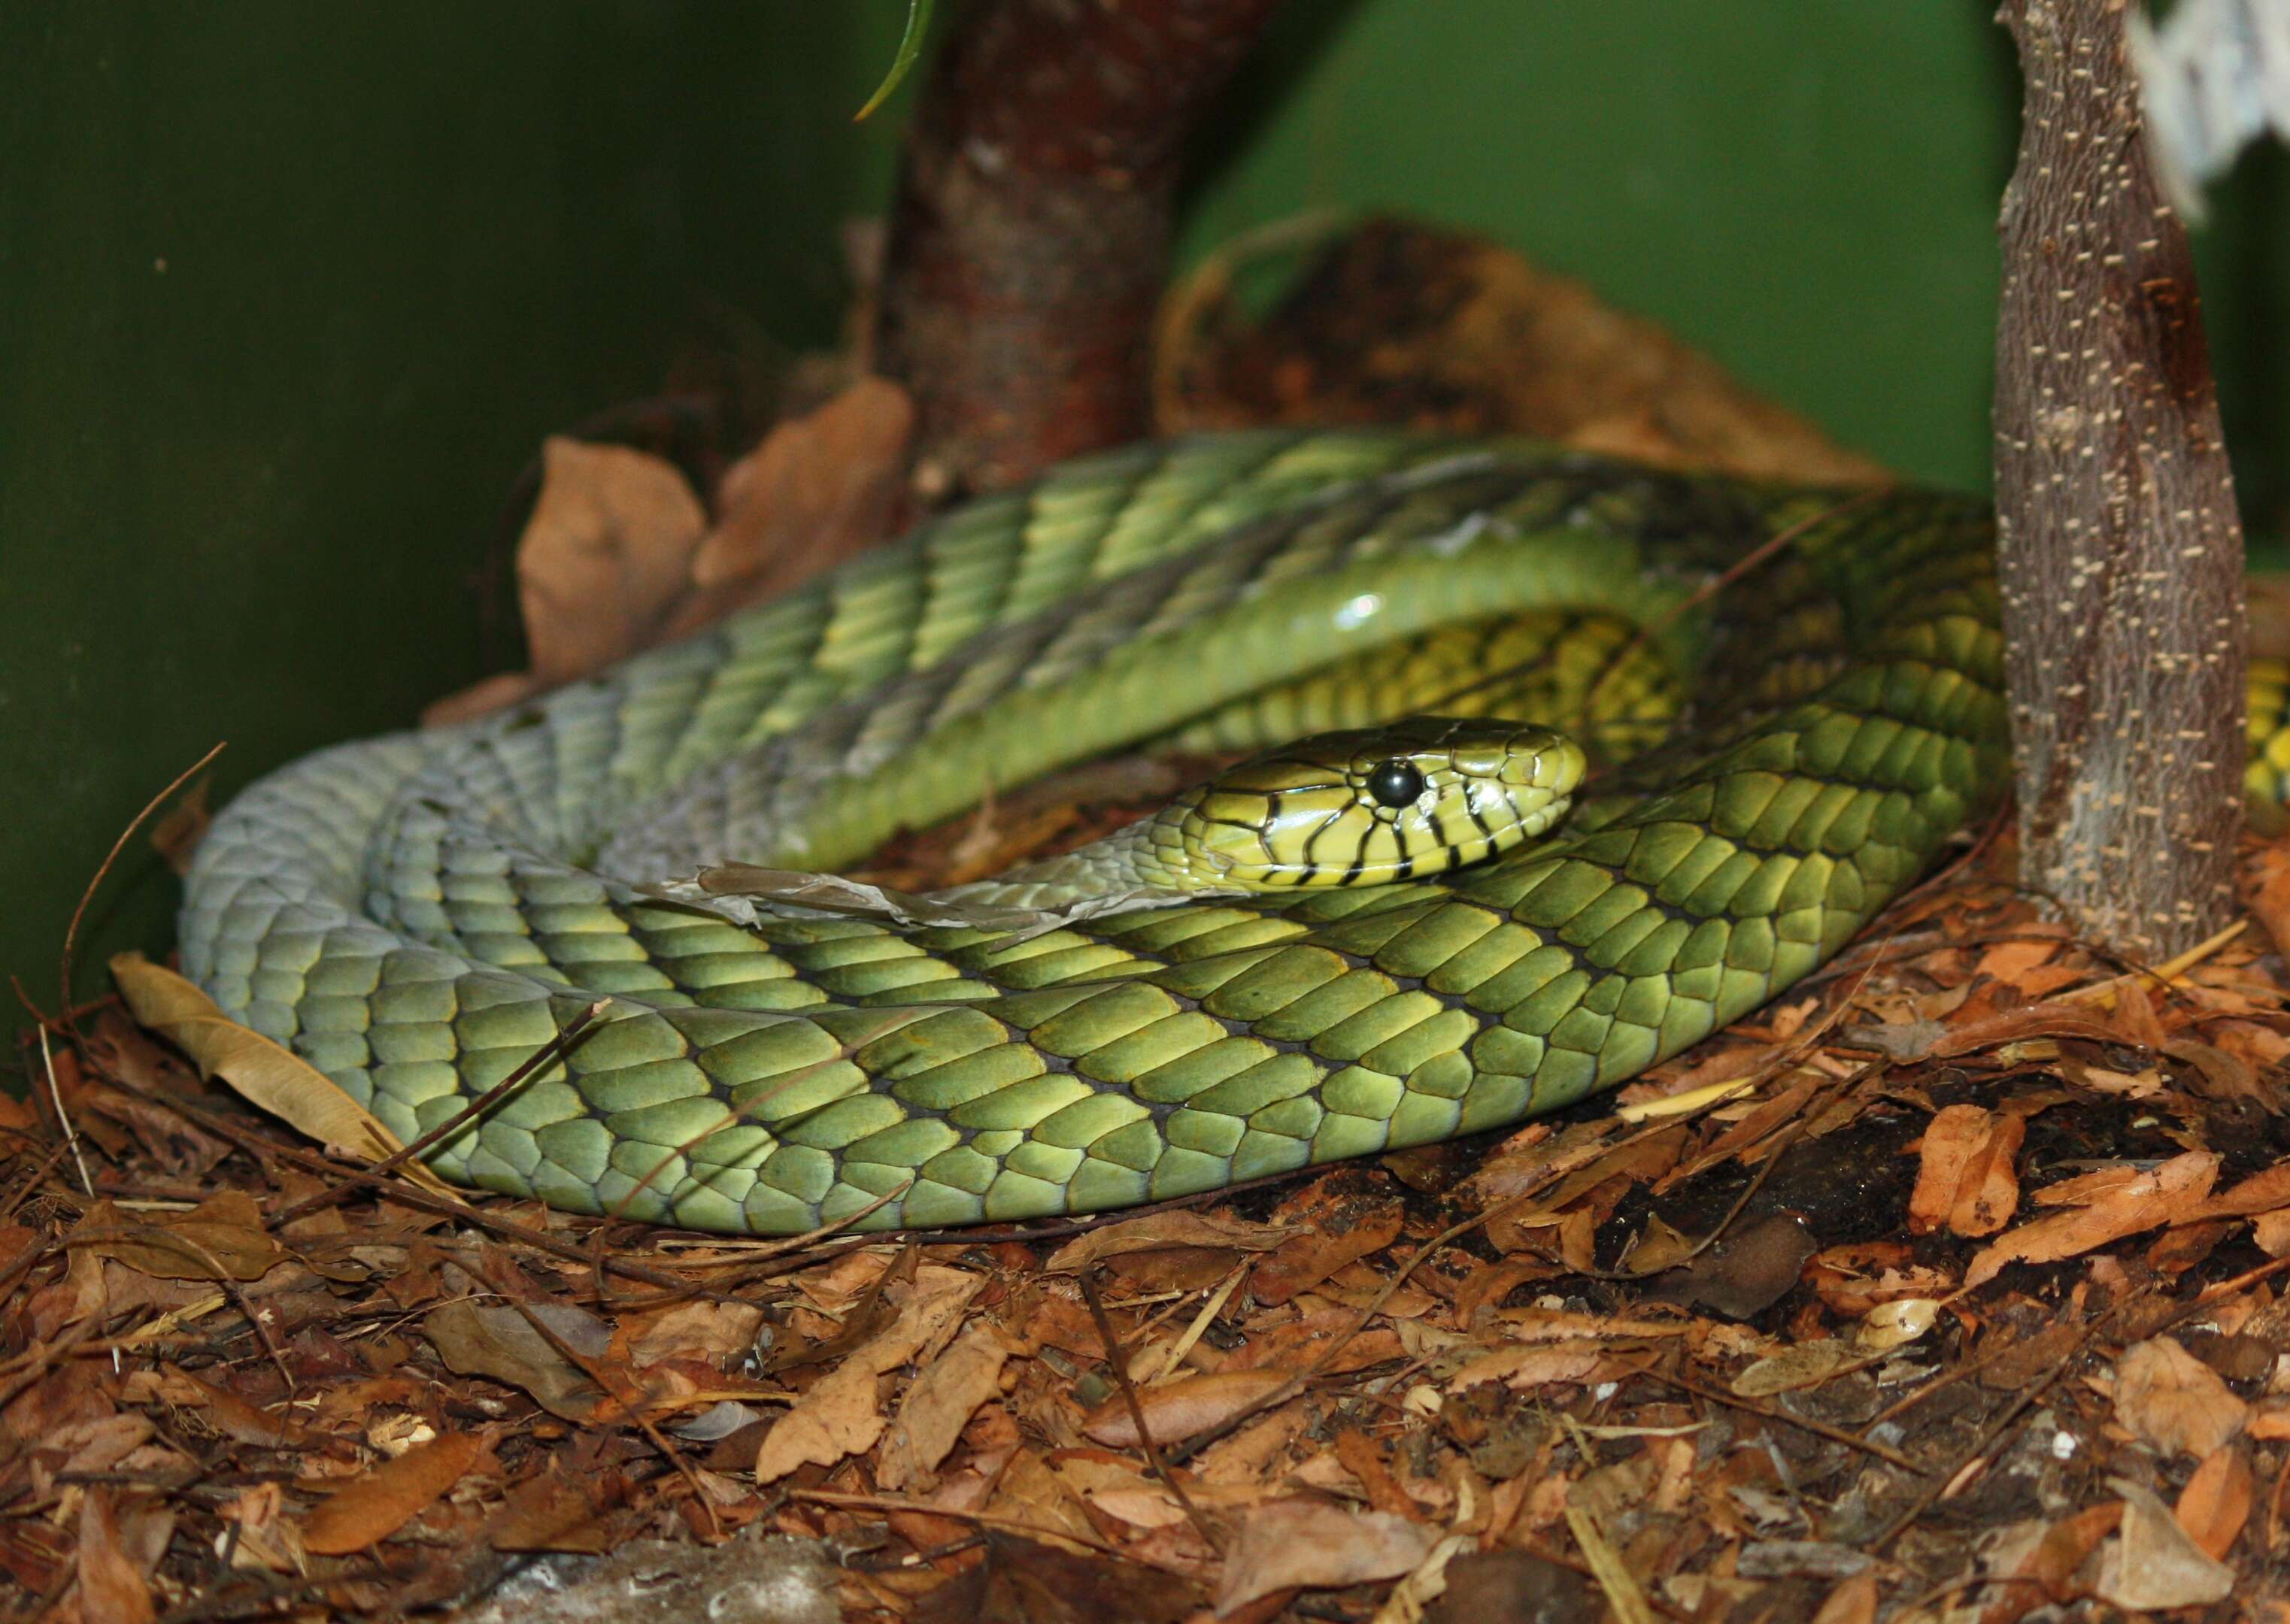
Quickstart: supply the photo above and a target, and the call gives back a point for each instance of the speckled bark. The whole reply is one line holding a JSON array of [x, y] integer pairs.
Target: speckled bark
[[1029, 239], [2121, 553]]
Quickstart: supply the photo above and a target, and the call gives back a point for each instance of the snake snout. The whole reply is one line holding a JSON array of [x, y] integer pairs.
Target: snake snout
[[1375, 805]]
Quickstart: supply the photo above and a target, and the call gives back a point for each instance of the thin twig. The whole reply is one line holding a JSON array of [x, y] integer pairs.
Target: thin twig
[[2026, 1398], [1119, 1365], [56, 1097], [1774, 1412], [71, 930], [579, 1361]]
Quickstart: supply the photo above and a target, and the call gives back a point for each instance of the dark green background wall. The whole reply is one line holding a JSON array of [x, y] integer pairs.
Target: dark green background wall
[[290, 293]]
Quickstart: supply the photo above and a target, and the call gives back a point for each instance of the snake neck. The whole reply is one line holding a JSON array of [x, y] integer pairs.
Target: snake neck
[[1140, 865]]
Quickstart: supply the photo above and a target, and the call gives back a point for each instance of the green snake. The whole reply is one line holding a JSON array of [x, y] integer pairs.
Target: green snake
[[1791, 698]]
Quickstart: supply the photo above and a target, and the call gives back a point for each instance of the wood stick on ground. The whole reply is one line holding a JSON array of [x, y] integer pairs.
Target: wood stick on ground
[[2120, 551]]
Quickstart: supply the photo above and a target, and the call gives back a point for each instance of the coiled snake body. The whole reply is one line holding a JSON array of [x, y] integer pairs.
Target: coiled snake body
[[417, 915]]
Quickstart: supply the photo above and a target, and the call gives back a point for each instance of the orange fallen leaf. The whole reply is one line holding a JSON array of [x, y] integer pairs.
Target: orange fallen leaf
[[1181, 1409], [2052, 1563], [2128, 1201], [2261, 1192], [1965, 1177], [1853, 1601], [2216, 1501], [1535, 1365], [2272, 1232], [369, 1509], [2154, 1565], [2174, 1401], [1343, 1231]]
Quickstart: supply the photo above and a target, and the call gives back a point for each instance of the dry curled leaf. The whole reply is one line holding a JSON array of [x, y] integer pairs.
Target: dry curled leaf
[[2174, 1401], [267, 1073], [1179, 1227], [2122, 1202], [1184, 1408], [2216, 1501], [940, 1403], [222, 1238], [605, 558], [1299, 1544], [370, 1507], [2153, 1565], [1963, 1174], [839, 1415], [498, 1340], [112, 1589], [820, 488]]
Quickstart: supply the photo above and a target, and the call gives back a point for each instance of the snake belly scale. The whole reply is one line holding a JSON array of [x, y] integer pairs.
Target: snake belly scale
[[417, 915]]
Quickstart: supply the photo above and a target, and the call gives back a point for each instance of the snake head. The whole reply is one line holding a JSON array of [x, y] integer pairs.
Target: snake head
[[1373, 805]]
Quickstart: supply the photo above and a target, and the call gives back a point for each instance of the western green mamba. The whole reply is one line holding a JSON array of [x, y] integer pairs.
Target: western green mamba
[[1792, 699]]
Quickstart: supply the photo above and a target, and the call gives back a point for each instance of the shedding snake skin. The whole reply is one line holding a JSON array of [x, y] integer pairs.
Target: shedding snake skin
[[1782, 753]]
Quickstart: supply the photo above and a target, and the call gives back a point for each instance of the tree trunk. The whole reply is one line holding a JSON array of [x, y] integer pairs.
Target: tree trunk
[[1029, 239], [2120, 549]]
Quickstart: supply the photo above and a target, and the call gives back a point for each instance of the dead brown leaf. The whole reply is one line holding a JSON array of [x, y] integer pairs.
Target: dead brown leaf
[[2153, 1565], [1183, 1408], [1337, 1228], [498, 1340], [2174, 1401], [222, 1238], [2052, 1563], [2216, 1501], [940, 1403], [1964, 1176], [818, 489], [1301, 1544], [270, 1075], [369, 1509], [112, 1588], [1534, 1365], [2125, 1202], [605, 556], [839, 1414], [715, 1330], [1171, 1228]]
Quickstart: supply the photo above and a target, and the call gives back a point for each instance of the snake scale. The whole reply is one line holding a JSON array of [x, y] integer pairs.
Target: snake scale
[[1781, 751]]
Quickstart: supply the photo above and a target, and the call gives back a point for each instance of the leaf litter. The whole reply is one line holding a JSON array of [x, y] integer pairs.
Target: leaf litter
[[1952, 1287]]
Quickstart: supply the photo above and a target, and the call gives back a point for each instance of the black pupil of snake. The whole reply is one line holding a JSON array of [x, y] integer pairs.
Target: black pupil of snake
[[1395, 784]]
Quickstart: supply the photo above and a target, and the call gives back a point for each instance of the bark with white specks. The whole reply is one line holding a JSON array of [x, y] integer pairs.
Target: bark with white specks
[[2120, 549]]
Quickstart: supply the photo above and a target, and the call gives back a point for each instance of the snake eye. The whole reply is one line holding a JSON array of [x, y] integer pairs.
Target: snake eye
[[1395, 784]]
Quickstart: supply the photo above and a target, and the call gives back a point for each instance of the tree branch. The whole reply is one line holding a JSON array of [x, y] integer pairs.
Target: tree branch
[[1029, 239], [2120, 550]]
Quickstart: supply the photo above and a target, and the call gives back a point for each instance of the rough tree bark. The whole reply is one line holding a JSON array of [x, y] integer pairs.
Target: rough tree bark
[[1029, 238], [2121, 552]]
